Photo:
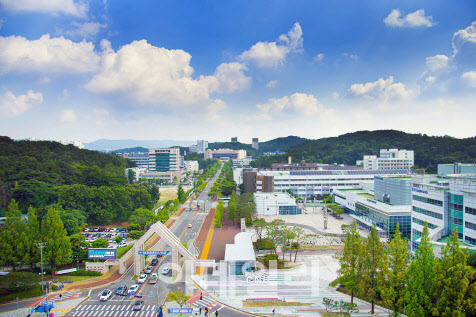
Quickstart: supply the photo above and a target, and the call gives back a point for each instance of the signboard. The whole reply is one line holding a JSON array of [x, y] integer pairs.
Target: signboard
[[65, 271], [144, 252], [182, 310], [102, 254]]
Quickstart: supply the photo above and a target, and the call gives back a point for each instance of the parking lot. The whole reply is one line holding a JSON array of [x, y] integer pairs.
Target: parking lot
[[110, 234]]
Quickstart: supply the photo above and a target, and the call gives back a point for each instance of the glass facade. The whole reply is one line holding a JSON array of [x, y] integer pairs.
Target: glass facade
[[428, 200], [456, 214], [162, 162], [422, 223], [290, 210], [384, 221]]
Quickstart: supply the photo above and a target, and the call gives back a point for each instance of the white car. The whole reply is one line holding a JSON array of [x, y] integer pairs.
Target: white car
[[111, 247], [86, 229], [190, 225], [142, 278], [122, 244], [165, 271], [134, 288], [105, 295]]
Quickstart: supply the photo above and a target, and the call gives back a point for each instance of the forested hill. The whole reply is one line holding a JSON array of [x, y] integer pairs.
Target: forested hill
[[43, 173], [278, 144], [137, 149], [347, 148]]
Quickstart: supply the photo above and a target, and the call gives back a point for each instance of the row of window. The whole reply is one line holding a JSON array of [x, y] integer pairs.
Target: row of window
[[456, 207], [427, 212], [470, 240], [470, 225], [456, 221], [470, 210], [428, 200], [422, 223]]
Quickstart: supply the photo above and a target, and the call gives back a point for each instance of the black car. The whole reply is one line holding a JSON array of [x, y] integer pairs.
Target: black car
[[154, 262], [122, 290], [138, 305], [159, 255]]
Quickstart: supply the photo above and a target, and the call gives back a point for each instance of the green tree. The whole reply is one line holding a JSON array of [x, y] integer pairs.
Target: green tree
[[351, 261], [260, 225], [398, 260], [12, 249], [33, 236], [73, 219], [452, 279], [374, 267], [58, 248], [131, 176], [182, 197], [135, 234], [179, 297], [100, 243], [79, 247], [299, 235], [231, 214], [421, 289], [142, 217], [118, 239], [274, 232]]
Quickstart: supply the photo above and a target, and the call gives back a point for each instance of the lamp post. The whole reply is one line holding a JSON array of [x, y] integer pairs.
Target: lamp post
[[41, 245]]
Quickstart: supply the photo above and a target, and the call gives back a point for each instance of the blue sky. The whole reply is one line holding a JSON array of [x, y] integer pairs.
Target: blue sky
[[186, 70]]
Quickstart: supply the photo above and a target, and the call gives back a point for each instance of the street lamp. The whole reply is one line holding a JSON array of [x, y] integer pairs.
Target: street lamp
[[41, 245]]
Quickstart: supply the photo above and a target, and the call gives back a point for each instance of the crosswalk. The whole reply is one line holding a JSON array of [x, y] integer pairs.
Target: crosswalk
[[206, 301], [112, 310], [54, 298]]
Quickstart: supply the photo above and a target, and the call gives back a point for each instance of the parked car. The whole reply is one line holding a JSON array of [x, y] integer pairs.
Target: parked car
[[107, 229], [122, 290], [165, 271], [122, 244], [142, 279], [111, 247], [86, 229], [138, 305], [149, 270], [153, 278], [105, 295]]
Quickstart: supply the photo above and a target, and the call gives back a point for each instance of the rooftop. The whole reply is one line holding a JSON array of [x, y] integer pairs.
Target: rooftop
[[242, 249]]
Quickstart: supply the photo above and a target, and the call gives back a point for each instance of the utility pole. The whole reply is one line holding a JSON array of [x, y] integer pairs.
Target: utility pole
[[41, 245]]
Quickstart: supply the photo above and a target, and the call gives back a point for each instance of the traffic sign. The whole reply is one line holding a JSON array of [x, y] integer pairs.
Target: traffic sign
[[151, 294], [144, 252], [182, 310]]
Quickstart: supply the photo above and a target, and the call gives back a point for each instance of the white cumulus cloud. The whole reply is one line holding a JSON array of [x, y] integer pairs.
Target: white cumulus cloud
[[215, 108], [76, 8], [470, 78], [351, 56], [271, 84], [156, 75], [83, 30], [47, 55], [17, 105], [272, 54], [437, 62], [382, 89], [411, 20], [68, 116], [299, 102], [318, 58]]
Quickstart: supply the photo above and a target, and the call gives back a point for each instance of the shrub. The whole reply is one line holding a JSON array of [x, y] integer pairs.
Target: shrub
[[123, 250], [135, 234], [18, 281], [82, 272], [264, 244]]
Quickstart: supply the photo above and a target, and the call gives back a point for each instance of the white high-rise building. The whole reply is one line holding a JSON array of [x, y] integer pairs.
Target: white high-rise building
[[201, 147], [164, 160], [392, 159], [191, 166]]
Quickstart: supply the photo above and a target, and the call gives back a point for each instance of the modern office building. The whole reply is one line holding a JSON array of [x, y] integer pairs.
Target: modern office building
[[163, 160], [163, 177], [393, 190], [366, 210], [255, 143], [392, 159], [200, 147], [242, 162], [310, 184], [78, 144], [456, 168], [141, 159], [191, 166], [238, 175], [234, 139], [225, 154], [462, 206], [272, 204], [307, 167], [273, 153]]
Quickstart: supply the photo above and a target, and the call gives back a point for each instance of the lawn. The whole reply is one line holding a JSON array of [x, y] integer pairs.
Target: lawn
[[34, 292], [170, 192], [74, 278], [334, 314]]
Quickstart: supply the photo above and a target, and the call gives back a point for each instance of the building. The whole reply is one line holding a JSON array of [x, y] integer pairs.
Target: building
[[78, 144], [163, 177], [272, 204], [141, 159], [303, 166], [309, 184], [456, 168], [392, 159], [234, 139], [163, 160], [242, 162], [393, 190], [366, 210], [201, 147], [240, 256], [238, 175], [255, 143], [225, 154], [191, 166], [462, 206], [265, 183], [273, 153], [137, 172]]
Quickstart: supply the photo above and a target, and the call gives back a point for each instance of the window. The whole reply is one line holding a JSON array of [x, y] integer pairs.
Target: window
[[470, 240], [470, 225], [428, 200], [422, 223], [470, 210], [427, 212]]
